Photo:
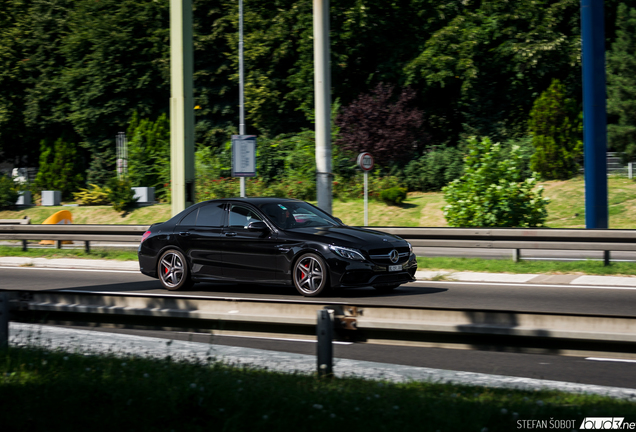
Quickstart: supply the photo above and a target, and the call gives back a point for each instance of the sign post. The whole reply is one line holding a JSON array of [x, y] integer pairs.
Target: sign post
[[365, 162], [243, 158]]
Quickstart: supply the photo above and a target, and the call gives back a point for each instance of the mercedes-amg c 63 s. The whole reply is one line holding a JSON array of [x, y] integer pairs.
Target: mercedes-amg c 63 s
[[272, 241]]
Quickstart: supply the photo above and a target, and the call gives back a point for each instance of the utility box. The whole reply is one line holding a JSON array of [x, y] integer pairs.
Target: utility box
[[51, 198], [144, 195], [24, 198]]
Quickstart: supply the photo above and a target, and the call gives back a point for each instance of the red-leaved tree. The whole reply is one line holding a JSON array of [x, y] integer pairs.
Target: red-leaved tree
[[388, 128]]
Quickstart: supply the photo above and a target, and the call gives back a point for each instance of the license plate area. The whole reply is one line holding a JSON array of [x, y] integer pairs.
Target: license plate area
[[394, 268]]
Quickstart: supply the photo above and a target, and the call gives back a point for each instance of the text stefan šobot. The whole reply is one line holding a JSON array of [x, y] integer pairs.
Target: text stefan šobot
[[589, 423]]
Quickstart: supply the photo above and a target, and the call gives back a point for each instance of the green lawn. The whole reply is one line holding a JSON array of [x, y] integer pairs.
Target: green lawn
[[566, 209], [44, 390]]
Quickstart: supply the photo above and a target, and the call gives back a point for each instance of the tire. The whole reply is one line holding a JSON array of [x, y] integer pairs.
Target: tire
[[310, 275], [173, 270], [386, 288]]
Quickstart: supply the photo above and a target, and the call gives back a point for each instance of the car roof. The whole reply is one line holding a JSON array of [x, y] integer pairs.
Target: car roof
[[257, 200]]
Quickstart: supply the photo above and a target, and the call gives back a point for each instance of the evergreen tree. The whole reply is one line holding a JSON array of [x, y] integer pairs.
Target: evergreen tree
[[621, 85], [149, 153], [60, 168], [555, 127]]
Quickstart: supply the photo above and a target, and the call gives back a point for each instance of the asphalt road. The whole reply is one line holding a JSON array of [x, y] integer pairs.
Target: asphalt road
[[458, 295], [430, 294]]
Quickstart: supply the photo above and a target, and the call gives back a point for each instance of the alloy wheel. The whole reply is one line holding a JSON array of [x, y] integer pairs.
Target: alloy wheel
[[171, 269], [309, 275]]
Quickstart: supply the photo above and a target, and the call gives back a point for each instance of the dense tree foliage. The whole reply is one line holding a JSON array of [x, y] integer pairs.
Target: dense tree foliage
[[81, 68]]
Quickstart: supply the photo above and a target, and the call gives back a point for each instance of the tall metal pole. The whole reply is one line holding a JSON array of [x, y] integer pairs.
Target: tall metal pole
[[366, 198], [322, 94], [241, 85], [181, 105], [594, 113]]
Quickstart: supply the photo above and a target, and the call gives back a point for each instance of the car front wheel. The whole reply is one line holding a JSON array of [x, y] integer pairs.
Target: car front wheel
[[310, 275], [173, 270]]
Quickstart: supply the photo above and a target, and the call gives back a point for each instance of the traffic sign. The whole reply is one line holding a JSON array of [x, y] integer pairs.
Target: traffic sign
[[365, 161]]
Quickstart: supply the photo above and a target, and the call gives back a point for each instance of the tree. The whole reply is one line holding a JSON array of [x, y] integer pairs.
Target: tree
[[60, 168], [389, 130], [492, 191], [555, 127], [621, 85], [149, 153]]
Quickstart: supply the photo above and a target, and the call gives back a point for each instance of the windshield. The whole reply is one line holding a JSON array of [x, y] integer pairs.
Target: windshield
[[289, 215]]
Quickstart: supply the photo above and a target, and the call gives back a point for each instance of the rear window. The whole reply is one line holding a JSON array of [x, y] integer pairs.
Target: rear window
[[211, 215]]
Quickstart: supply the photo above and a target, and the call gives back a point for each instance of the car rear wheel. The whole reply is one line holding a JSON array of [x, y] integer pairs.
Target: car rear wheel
[[310, 275], [173, 270]]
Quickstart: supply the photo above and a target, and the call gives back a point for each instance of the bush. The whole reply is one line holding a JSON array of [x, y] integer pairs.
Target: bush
[[394, 195], [492, 192], [8, 192], [434, 169], [120, 194], [555, 127], [353, 188], [59, 167], [94, 195]]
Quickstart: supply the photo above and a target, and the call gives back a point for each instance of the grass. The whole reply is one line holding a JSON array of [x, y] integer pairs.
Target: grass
[[566, 209], [43, 390], [113, 254], [452, 264]]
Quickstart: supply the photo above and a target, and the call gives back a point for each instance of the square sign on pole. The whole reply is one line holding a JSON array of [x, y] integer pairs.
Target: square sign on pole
[[243, 155]]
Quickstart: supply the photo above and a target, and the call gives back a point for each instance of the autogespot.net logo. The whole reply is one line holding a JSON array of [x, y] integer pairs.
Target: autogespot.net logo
[[606, 423]]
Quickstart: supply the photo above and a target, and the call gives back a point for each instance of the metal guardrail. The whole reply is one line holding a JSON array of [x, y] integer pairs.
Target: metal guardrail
[[514, 239], [547, 332]]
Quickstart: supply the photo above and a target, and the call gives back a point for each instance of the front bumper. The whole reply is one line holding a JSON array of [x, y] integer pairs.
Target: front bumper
[[345, 273]]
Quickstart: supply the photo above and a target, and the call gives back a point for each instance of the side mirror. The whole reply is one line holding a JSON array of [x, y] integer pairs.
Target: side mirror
[[257, 226]]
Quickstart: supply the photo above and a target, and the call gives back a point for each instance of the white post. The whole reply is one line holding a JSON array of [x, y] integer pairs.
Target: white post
[[630, 170], [241, 86], [181, 105], [322, 94], [366, 198]]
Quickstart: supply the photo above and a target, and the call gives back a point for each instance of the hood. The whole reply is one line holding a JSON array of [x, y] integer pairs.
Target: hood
[[346, 236]]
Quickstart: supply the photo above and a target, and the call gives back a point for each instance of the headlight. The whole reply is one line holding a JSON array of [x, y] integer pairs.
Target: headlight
[[352, 254], [410, 247]]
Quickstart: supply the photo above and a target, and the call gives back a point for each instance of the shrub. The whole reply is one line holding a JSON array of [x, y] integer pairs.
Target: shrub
[[492, 192], [120, 194], [434, 169], [59, 167], [394, 195], [555, 127], [94, 195], [8, 192]]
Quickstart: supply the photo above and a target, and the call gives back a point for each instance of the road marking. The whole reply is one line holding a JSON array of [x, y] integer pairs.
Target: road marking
[[67, 269], [610, 360], [268, 338], [525, 285]]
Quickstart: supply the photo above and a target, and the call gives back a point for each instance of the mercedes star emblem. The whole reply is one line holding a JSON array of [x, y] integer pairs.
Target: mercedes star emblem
[[394, 256]]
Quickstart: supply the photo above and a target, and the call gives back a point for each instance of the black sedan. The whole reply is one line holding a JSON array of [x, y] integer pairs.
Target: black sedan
[[272, 241]]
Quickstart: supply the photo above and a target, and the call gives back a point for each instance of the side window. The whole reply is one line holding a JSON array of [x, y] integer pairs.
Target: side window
[[191, 218], [240, 217], [211, 215]]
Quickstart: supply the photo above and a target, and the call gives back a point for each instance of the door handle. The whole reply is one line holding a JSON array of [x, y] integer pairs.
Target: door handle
[[184, 233], [230, 234]]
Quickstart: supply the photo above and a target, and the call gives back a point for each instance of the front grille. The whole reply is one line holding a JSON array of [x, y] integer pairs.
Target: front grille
[[381, 256]]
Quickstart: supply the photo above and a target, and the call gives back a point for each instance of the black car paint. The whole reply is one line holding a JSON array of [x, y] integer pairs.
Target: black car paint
[[268, 256]]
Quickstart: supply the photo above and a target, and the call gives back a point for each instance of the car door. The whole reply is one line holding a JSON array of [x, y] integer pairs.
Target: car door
[[248, 255], [203, 236]]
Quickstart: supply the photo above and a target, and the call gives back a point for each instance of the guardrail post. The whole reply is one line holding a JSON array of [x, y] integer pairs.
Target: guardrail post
[[24, 245], [87, 246], [324, 331], [516, 254], [58, 244], [606, 257], [4, 319]]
